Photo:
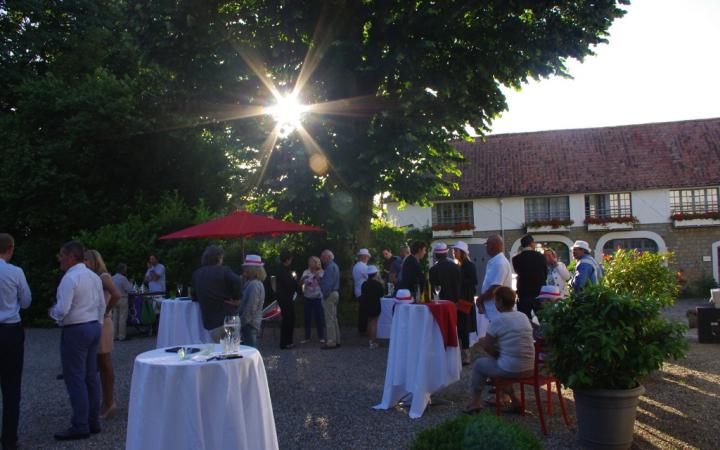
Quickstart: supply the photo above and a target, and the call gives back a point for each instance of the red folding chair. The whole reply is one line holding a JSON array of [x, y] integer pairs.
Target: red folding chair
[[540, 377]]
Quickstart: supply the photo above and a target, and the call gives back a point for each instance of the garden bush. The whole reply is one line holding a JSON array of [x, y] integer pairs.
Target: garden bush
[[643, 275], [479, 432]]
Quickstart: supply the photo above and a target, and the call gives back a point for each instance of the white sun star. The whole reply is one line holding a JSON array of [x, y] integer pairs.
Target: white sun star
[[288, 112]]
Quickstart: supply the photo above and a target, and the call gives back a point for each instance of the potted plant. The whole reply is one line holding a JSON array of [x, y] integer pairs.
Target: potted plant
[[605, 340]]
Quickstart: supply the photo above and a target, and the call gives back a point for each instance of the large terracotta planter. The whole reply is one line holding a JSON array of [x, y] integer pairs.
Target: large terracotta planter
[[606, 417]]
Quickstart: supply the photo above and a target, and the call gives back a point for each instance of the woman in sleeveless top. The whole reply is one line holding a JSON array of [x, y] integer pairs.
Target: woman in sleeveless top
[[95, 262]]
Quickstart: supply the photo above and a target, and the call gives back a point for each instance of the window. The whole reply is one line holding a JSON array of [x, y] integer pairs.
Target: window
[[639, 244], [602, 206], [547, 208], [694, 201], [452, 213]]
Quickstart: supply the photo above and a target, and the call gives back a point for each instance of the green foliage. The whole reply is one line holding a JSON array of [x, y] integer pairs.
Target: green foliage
[[479, 432], [642, 275], [134, 239], [385, 235], [603, 339]]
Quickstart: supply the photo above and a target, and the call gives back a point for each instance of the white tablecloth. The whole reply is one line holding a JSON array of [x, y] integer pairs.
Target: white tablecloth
[[418, 362], [181, 324], [384, 324], [211, 405]]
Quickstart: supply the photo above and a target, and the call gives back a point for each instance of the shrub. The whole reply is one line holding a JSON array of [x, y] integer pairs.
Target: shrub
[[478, 432], [603, 339], [644, 275]]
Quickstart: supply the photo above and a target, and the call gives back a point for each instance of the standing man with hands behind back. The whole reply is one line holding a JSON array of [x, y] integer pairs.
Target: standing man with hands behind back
[[14, 294], [79, 311]]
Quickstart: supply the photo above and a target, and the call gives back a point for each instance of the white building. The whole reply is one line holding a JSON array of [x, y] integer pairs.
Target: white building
[[653, 187]]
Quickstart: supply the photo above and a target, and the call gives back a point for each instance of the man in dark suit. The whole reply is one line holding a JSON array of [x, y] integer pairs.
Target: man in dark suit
[[445, 274], [286, 287], [531, 269], [413, 278]]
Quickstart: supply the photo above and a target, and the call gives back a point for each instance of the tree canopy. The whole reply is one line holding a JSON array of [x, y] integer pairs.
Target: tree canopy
[[108, 104]]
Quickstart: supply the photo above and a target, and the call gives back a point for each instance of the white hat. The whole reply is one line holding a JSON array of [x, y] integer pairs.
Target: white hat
[[372, 270], [583, 245], [549, 292], [253, 261], [403, 294], [440, 247], [363, 252], [460, 245]]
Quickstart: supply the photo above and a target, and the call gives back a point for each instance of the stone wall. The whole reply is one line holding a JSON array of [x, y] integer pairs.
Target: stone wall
[[690, 245]]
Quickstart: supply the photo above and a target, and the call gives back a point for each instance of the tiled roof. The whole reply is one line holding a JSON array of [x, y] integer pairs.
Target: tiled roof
[[632, 157]]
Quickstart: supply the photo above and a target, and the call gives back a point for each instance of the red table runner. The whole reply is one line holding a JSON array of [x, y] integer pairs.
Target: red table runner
[[445, 314]]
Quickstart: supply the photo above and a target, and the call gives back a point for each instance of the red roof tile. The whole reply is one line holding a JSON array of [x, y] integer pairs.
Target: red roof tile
[[632, 157]]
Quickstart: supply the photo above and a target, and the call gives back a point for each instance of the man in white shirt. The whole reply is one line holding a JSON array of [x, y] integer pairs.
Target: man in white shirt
[[79, 311], [120, 311], [359, 272], [155, 275], [14, 294], [498, 272]]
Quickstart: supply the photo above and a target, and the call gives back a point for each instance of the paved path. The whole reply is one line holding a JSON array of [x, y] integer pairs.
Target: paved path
[[323, 399]]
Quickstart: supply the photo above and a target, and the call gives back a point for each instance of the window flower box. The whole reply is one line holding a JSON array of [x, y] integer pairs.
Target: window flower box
[[549, 226], [452, 233], [547, 229], [449, 230], [610, 223], [610, 226], [688, 223], [688, 220]]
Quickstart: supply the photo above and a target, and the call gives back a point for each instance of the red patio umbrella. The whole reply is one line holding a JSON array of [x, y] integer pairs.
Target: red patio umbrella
[[240, 224]]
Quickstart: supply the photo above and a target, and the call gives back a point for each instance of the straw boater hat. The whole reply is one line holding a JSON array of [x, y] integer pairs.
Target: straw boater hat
[[440, 247], [549, 293], [583, 245], [253, 261], [372, 270], [364, 252], [403, 294], [460, 245]]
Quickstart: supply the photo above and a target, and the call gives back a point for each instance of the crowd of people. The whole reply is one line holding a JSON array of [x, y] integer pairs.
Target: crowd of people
[[92, 309]]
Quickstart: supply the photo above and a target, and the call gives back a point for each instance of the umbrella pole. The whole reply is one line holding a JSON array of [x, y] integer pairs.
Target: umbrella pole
[[242, 248]]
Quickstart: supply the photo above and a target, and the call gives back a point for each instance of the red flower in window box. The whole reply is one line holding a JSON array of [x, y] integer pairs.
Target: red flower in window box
[[715, 215], [606, 220], [463, 226], [553, 223], [456, 227]]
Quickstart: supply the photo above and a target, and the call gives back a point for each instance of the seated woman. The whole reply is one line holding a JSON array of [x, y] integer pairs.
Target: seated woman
[[509, 342]]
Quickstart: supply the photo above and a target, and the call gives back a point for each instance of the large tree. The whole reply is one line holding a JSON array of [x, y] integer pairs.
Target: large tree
[[423, 71]]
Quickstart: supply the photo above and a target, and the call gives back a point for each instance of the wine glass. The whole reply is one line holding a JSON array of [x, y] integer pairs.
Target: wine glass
[[179, 288], [232, 329]]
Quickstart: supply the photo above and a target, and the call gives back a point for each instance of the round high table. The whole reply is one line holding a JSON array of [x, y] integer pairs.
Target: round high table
[[418, 361], [211, 405], [384, 325], [181, 324]]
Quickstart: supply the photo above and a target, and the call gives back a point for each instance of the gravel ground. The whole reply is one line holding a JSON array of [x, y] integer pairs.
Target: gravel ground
[[323, 399]]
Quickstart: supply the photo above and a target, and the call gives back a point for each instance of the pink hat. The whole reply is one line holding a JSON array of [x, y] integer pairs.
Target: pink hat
[[440, 247], [550, 293], [253, 261], [403, 294]]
